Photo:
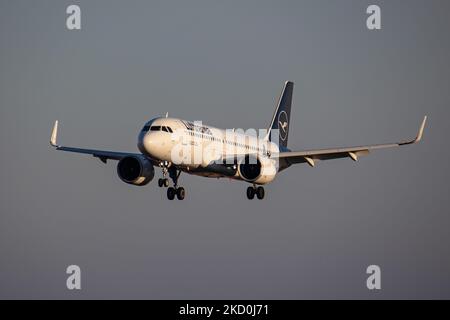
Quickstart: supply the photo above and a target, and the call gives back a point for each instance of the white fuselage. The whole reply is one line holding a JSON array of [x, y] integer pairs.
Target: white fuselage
[[195, 147]]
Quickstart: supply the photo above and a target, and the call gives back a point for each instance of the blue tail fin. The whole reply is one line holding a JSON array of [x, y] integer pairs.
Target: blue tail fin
[[282, 115]]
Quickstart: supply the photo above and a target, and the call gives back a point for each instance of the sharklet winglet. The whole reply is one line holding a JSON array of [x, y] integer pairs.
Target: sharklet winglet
[[54, 136]]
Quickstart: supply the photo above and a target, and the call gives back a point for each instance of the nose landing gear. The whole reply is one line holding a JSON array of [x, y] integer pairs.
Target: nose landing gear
[[164, 182], [258, 191]]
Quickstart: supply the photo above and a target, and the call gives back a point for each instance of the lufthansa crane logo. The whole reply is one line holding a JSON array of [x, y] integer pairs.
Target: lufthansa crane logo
[[283, 125]]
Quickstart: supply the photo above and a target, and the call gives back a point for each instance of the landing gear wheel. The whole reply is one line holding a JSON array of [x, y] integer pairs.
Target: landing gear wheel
[[260, 193], [163, 183], [171, 193], [250, 193], [181, 193]]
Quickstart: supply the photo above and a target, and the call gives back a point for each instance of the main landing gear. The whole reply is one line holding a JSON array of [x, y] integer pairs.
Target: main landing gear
[[258, 191], [179, 192], [174, 191]]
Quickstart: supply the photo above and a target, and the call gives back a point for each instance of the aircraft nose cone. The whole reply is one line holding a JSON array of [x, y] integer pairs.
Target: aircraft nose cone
[[149, 143], [157, 146]]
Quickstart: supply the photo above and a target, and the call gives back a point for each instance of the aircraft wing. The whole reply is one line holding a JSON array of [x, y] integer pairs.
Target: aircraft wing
[[310, 156], [103, 155]]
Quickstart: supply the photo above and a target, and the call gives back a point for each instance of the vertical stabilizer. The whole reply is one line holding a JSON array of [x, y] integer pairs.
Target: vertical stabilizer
[[282, 115]]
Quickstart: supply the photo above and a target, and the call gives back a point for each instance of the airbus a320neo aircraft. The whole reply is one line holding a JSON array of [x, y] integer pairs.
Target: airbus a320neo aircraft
[[252, 159]]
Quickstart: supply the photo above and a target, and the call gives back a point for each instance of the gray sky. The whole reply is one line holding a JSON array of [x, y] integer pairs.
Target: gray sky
[[224, 62]]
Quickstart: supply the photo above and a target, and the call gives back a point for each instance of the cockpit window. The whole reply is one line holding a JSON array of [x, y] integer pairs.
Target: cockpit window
[[146, 128], [161, 128]]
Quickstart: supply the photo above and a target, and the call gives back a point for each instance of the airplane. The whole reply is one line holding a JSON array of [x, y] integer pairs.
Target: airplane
[[231, 154]]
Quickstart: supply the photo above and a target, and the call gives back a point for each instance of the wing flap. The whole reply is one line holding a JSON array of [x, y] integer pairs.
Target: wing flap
[[101, 154]]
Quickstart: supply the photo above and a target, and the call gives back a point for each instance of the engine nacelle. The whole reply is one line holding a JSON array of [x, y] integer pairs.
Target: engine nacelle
[[136, 170], [259, 170]]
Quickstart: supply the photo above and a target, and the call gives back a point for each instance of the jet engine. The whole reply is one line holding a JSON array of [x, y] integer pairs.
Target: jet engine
[[136, 170], [257, 169]]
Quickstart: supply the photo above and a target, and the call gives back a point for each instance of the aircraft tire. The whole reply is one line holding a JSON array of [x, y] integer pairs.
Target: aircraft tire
[[166, 182], [250, 193], [171, 193], [260, 193], [181, 193]]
